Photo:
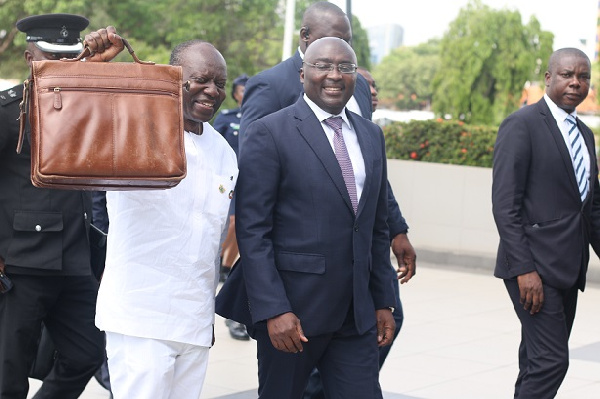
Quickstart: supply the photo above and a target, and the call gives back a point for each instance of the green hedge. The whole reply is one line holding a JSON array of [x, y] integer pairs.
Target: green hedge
[[441, 141]]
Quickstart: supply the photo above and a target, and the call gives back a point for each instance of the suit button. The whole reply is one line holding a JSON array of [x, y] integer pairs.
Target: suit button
[[355, 228], [85, 215], [38, 228]]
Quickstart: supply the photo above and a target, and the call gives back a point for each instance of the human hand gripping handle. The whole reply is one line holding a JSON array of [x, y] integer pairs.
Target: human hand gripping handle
[[103, 44], [531, 291], [406, 256], [385, 326], [286, 333]]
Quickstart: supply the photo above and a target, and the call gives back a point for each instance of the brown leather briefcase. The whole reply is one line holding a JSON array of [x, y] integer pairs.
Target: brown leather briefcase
[[104, 125]]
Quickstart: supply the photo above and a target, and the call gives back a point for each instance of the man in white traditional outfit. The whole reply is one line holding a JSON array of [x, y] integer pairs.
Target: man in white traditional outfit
[[156, 300]]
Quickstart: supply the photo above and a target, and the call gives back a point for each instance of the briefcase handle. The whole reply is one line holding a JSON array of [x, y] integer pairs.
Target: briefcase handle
[[88, 53]]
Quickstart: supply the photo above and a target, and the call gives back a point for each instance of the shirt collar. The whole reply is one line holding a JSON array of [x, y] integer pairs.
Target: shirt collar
[[322, 115], [558, 113]]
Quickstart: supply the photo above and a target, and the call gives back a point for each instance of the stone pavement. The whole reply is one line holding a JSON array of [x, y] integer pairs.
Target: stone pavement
[[459, 341]]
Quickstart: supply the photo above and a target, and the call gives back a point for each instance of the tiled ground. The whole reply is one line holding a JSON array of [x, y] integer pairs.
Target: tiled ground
[[459, 341]]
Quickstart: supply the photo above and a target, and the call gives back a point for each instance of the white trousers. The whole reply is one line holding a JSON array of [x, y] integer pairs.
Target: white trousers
[[144, 368]]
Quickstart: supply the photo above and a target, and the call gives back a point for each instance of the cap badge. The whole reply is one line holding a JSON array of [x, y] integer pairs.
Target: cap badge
[[64, 32]]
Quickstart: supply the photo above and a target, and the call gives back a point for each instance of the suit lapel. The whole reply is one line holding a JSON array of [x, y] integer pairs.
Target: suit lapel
[[365, 141], [311, 130], [551, 123]]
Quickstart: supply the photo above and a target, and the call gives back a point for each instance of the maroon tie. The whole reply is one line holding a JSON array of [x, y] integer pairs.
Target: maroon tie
[[341, 153]]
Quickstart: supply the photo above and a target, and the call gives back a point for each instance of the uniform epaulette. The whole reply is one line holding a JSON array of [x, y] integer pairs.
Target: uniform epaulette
[[11, 95]]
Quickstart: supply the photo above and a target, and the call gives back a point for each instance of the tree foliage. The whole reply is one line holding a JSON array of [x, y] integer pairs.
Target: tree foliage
[[360, 44], [404, 76], [487, 56], [247, 32]]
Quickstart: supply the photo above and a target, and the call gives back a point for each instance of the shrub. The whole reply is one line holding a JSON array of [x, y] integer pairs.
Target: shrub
[[441, 141]]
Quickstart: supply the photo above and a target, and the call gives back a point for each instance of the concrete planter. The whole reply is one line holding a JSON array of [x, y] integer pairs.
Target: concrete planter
[[449, 211]]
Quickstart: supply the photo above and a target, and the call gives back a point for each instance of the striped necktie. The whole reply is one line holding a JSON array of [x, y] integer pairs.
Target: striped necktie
[[576, 140], [341, 153]]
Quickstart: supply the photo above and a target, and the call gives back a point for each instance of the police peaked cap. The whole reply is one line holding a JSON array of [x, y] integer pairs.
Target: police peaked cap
[[54, 33]]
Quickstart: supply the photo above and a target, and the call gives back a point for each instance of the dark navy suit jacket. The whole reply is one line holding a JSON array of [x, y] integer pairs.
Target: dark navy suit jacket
[[542, 222], [302, 248]]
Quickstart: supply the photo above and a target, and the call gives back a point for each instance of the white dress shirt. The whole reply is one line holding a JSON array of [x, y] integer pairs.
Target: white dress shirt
[[163, 249], [350, 139]]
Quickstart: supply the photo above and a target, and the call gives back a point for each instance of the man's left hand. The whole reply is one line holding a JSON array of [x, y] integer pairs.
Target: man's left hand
[[406, 256], [385, 326]]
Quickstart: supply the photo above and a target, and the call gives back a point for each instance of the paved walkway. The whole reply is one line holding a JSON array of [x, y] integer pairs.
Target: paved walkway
[[459, 341]]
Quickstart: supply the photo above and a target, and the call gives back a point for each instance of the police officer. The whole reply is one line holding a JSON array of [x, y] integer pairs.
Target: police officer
[[44, 246], [228, 121]]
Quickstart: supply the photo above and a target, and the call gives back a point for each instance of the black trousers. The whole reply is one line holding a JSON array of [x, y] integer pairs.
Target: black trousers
[[544, 348], [67, 306], [314, 387], [348, 363]]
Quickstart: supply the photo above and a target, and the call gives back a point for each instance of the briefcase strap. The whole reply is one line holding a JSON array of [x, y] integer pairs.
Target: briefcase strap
[[23, 107]]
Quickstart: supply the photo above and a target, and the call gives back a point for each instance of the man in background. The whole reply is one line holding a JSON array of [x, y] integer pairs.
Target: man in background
[[372, 85], [546, 204]]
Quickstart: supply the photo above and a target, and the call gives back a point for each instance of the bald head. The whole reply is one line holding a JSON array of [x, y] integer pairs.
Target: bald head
[[324, 19], [558, 55]]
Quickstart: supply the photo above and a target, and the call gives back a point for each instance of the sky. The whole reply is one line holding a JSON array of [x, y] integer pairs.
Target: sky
[[426, 19]]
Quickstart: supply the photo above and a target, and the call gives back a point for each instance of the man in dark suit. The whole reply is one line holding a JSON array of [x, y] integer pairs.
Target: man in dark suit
[[44, 247], [546, 203], [280, 86], [313, 237]]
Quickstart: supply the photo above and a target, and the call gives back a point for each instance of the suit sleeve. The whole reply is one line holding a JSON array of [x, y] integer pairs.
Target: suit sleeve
[[259, 100], [512, 155], [382, 274], [396, 222], [362, 93], [256, 195], [595, 213]]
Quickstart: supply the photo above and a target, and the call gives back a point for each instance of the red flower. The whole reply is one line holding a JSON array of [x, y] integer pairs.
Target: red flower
[[464, 150], [414, 155]]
